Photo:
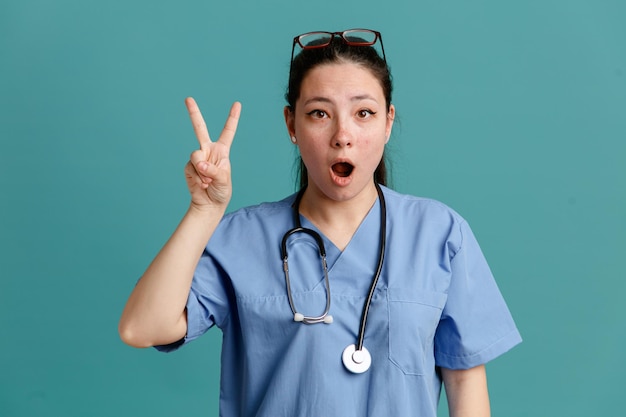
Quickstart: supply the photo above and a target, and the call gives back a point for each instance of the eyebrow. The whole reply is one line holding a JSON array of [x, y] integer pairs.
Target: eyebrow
[[322, 99]]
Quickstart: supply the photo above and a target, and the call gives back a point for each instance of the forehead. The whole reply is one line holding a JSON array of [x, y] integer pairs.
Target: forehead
[[341, 78]]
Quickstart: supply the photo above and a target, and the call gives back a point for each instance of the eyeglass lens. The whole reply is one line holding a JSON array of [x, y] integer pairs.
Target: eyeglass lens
[[351, 37]]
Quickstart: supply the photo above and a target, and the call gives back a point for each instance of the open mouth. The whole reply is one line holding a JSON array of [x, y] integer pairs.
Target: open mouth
[[342, 169]]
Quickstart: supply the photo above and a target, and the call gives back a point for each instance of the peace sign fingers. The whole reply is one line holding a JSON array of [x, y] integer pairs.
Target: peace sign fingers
[[208, 171], [199, 126]]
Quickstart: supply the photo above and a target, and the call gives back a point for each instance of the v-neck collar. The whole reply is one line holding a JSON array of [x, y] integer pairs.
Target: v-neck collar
[[353, 267]]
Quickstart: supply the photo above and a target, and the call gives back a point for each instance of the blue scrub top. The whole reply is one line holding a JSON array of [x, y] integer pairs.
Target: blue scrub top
[[436, 305]]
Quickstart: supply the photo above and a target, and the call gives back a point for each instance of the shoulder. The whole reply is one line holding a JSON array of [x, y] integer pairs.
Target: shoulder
[[260, 218], [418, 219], [262, 210], [410, 206]]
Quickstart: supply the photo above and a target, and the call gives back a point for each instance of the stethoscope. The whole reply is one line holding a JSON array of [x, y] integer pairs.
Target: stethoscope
[[356, 358]]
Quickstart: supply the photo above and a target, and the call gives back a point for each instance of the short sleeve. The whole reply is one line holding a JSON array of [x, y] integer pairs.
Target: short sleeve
[[207, 303], [476, 325]]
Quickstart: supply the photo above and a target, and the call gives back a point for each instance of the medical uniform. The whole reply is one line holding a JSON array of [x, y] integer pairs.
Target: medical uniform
[[436, 305]]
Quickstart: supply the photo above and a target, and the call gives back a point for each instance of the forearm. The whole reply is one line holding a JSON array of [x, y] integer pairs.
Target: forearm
[[467, 392], [155, 311]]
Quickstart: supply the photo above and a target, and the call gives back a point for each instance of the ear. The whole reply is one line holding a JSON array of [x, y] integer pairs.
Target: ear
[[290, 120], [391, 115]]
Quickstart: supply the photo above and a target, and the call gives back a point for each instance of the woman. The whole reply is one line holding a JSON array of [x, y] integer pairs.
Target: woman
[[347, 299]]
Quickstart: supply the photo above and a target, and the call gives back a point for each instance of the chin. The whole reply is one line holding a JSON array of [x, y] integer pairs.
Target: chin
[[346, 189]]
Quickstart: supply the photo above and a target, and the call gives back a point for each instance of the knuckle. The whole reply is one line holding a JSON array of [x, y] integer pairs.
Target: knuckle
[[196, 156]]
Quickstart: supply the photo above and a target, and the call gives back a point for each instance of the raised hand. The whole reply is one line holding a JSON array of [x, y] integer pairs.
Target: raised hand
[[208, 171]]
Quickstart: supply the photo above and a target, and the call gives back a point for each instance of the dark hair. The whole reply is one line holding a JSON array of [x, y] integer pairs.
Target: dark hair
[[336, 52]]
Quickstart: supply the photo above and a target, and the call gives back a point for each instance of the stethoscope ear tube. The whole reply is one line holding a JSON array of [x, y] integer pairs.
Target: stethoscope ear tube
[[300, 229], [299, 317]]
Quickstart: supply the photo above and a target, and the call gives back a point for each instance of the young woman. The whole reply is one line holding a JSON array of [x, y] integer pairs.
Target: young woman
[[347, 299]]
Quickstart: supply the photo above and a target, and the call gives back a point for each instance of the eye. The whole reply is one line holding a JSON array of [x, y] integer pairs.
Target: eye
[[365, 113], [318, 114]]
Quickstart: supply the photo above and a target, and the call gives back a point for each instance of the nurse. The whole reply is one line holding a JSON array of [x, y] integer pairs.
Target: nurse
[[346, 265]]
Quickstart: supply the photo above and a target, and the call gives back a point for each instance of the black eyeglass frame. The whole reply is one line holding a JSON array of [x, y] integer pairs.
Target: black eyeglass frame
[[344, 37]]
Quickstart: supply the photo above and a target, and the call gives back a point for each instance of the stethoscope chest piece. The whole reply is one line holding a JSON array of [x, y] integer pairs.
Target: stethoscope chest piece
[[356, 361]]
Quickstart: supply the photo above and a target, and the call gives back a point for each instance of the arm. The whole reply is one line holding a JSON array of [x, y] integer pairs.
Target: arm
[[467, 392], [155, 311]]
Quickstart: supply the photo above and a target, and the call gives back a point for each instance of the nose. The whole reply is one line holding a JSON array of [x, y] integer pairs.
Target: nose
[[342, 136]]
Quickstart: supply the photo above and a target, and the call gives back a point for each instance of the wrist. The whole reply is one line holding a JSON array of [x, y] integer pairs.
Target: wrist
[[207, 210]]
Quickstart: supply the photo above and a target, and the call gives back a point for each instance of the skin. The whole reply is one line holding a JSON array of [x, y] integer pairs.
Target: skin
[[340, 116], [467, 392]]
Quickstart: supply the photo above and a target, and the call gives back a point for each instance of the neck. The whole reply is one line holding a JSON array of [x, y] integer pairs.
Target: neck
[[338, 220]]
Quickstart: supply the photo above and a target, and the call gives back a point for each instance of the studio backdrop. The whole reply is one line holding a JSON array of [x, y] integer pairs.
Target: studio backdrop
[[512, 113]]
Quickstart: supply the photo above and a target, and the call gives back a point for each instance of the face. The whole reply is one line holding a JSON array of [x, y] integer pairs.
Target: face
[[341, 125]]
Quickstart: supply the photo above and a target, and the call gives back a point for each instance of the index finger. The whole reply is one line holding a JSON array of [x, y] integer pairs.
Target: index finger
[[197, 121], [230, 127]]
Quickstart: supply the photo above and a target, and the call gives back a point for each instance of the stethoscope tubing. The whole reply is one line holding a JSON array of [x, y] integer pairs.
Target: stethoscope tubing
[[381, 257], [322, 252], [379, 267]]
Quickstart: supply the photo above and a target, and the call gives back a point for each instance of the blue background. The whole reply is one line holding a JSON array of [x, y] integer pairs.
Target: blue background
[[513, 113]]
